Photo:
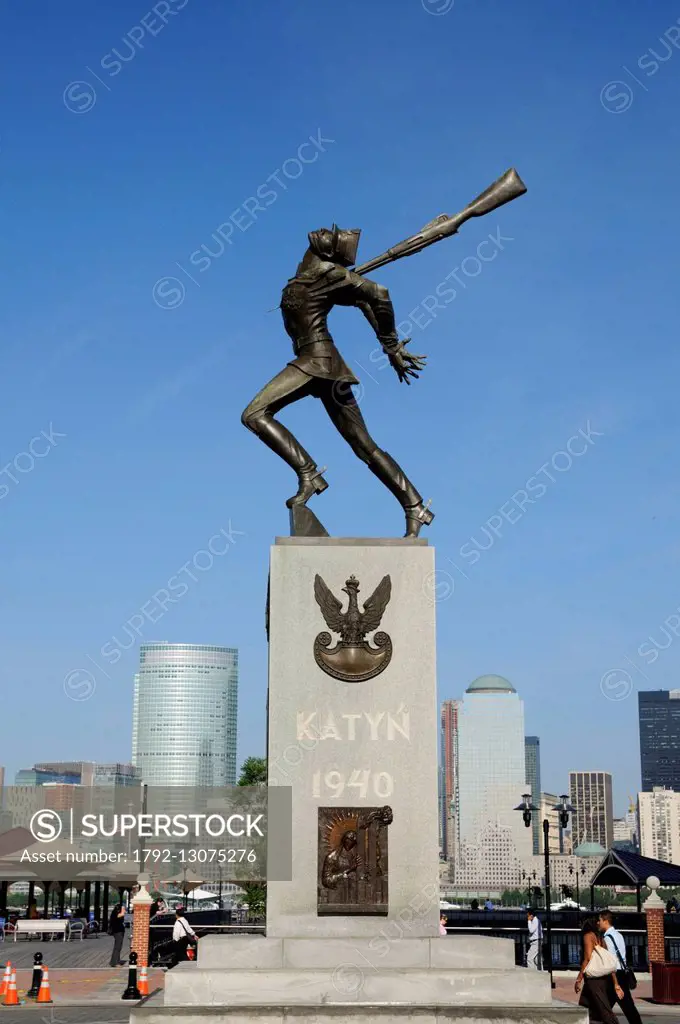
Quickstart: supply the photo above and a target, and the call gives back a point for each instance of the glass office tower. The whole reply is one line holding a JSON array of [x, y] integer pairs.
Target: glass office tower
[[593, 819], [659, 715], [491, 780], [532, 759], [184, 716], [448, 777]]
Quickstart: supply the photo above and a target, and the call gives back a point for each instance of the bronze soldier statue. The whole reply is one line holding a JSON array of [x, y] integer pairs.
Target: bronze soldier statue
[[323, 280]]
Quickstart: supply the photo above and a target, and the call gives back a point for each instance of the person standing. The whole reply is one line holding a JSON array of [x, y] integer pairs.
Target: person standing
[[117, 929], [535, 941], [596, 994], [614, 942], [442, 924], [181, 933]]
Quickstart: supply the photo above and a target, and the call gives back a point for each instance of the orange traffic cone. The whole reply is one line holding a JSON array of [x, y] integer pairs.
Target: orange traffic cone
[[5, 980], [143, 983], [44, 995], [11, 997]]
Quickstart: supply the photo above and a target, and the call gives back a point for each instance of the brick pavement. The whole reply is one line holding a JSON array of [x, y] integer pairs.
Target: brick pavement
[[88, 953], [83, 986], [642, 995]]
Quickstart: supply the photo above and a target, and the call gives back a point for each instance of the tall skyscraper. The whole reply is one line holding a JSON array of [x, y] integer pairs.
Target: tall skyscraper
[[532, 757], [135, 718], [447, 794], [632, 822], [659, 715], [660, 825], [492, 838], [593, 820], [184, 715]]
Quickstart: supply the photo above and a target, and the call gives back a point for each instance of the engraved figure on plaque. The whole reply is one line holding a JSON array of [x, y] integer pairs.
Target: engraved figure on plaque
[[353, 863]]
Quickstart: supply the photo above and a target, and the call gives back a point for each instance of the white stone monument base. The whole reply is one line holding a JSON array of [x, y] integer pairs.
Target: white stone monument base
[[356, 745], [423, 980]]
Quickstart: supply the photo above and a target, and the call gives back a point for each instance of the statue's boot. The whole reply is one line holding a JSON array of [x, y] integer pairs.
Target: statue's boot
[[280, 440], [310, 482], [393, 477]]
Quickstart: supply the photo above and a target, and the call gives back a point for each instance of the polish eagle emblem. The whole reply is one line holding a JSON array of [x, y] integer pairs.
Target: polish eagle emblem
[[353, 659]]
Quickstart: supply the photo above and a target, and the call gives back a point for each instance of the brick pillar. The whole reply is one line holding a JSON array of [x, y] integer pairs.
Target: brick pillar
[[656, 945], [141, 907], [655, 909]]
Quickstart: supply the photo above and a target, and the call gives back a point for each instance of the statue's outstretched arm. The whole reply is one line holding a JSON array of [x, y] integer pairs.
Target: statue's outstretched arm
[[374, 302]]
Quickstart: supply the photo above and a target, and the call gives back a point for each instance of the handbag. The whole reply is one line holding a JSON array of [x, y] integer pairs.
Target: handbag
[[599, 967], [629, 973]]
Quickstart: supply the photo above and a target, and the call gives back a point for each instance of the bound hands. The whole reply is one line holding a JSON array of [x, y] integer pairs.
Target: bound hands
[[406, 364]]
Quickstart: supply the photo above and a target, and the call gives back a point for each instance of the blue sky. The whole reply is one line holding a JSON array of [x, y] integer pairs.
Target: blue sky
[[115, 171]]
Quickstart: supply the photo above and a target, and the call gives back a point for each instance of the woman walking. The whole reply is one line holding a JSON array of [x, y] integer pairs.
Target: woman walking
[[117, 929], [598, 972]]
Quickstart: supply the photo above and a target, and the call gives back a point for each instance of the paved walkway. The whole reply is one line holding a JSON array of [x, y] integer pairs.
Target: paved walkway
[[564, 990], [69, 1015], [86, 987], [88, 953]]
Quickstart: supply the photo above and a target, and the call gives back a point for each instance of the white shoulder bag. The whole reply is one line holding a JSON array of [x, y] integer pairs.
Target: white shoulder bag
[[601, 965]]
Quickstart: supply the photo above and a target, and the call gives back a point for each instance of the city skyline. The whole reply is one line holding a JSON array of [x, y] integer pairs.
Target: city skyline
[[448, 733]]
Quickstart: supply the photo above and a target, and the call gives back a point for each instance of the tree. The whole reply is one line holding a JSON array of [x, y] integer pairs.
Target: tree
[[256, 898], [253, 772], [513, 897]]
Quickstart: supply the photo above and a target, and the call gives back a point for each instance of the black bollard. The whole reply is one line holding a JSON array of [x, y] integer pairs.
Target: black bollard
[[37, 976], [132, 992]]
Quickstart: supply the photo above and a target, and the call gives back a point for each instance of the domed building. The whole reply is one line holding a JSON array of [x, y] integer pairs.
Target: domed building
[[590, 850], [491, 684], [491, 778]]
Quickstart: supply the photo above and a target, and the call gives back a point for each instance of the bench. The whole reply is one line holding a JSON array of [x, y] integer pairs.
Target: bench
[[41, 927]]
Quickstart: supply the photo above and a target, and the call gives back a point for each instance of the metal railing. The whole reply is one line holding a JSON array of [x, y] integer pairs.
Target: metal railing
[[566, 934]]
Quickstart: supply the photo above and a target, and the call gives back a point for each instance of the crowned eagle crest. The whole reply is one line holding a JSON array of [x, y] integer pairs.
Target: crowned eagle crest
[[353, 659]]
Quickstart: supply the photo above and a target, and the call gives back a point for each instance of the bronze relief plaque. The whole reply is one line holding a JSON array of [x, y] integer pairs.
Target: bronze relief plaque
[[353, 860], [353, 659]]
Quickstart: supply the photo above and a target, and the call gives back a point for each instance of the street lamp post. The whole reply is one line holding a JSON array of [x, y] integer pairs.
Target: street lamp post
[[564, 809], [579, 873]]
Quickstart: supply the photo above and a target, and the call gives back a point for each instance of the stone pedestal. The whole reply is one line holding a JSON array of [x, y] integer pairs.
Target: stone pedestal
[[356, 745]]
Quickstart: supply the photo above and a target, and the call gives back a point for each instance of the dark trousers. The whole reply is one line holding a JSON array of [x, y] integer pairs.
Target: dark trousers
[[292, 384], [117, 946], [339, 401], [595, 996], [627, 1004], [179, 951]]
